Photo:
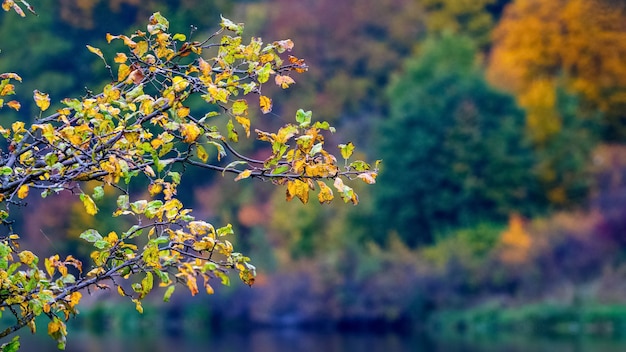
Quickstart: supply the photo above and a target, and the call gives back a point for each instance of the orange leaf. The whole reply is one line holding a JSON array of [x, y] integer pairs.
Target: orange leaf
[[14, 105], [283, 81]]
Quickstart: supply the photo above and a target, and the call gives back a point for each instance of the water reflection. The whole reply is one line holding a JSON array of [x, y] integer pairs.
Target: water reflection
[[268, 340]]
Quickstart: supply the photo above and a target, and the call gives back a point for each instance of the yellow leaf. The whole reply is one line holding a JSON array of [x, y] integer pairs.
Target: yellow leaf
[[326, 194], [243, 174], [179, 83], [191, 284], [298, 189], [75, 298], [202, 154], [18, 126], [245, 123], [205, 67], [96, 51], [41, 99], [112, 238], [8, 89], [90, 205], [49, 264], [63, 270], [54, 326], [190, 131], [123, 72], [182, 112], [140, 48], [138, 306], [27, 257], [22, 192], [155, 188], [265, 103], [120, 58]]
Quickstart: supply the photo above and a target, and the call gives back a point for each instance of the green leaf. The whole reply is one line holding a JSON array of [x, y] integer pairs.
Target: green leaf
[[324, 125], [232, 26], [304, 118], [158, 23], [316, 149], [133, 232], [123, 202], [102, 244], [221, 152], [233, 164], [168, 293], [5, 170], [98, 193], [91, 235], [139, 207], [175, 176], [281, 169], [12, 346], [147, 283], [359, 165], [346, 150], [50, 159], [240, 107], [179, 36], [232, 134], [263, 74], [226, 230], [163, 276]]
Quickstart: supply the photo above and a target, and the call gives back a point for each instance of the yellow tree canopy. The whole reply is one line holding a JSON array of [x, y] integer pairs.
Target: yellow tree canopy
[[582, 42]]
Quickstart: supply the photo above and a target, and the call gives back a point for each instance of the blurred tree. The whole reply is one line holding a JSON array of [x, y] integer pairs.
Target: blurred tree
[[460, 142], [564, 159], [515, 241], [91, 14], [582, 42], [471, 18], [49, 54], [351, 46]]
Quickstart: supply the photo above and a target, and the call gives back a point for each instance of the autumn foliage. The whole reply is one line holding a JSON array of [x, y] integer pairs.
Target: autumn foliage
[[538, 45], [141, 130]]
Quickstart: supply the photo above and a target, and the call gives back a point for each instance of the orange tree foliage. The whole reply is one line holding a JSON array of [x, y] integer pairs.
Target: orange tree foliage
[[582, 42], [140, 130]]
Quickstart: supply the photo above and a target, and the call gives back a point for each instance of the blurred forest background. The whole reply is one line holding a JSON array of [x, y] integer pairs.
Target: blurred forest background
[[502, 129]]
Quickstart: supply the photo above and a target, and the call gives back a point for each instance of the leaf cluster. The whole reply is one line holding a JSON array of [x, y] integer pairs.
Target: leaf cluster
[[141, 129]]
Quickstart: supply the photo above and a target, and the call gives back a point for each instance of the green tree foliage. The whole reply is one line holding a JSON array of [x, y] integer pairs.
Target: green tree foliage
[[460, 143], [470, 18], [140, 132], [564, 160]]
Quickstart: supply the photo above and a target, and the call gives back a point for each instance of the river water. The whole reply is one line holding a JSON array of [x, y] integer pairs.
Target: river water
[[284, 340]]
